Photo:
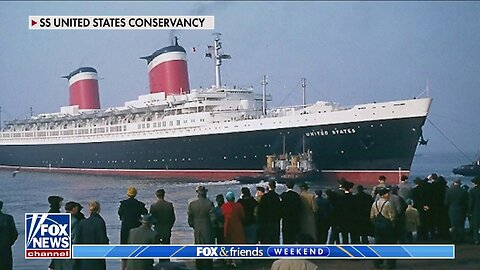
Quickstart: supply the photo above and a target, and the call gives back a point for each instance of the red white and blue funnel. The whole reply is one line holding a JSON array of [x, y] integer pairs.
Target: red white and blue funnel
[[83, 85], [167, 70]]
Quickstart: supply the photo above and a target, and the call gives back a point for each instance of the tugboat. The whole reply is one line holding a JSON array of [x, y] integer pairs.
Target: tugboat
[[472, 169], [282, 168]]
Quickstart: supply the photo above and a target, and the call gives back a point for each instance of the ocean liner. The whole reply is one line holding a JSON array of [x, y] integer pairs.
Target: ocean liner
[[216, 133]]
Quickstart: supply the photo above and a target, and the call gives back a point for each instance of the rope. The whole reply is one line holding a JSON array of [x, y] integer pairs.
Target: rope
[[446, 137]]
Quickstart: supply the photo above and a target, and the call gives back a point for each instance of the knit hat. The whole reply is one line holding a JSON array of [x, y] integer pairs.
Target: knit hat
[[131, 192], [230, 196]]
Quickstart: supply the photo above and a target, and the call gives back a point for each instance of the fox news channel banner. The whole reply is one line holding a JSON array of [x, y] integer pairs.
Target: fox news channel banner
[[49, 236]]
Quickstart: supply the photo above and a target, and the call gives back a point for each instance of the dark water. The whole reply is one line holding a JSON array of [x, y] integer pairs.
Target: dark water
[[28, 192]]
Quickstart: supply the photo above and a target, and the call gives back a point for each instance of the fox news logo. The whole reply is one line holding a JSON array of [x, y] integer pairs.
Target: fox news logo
[[47, 235]]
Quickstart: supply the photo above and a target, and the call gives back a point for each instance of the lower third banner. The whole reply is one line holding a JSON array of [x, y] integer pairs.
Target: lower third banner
[[264, 251]]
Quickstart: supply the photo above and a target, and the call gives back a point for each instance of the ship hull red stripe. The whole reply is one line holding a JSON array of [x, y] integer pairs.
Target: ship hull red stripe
[[190, 175], [366, 178]]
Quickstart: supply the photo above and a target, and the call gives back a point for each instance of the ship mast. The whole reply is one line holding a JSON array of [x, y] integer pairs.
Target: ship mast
[[218, 56], [304, 88], [264, 94]]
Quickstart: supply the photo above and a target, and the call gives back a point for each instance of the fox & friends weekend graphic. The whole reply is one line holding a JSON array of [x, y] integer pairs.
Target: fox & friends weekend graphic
[[48, 235]]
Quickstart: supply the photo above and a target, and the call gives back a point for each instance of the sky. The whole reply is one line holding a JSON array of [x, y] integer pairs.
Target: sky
[[349, 52]]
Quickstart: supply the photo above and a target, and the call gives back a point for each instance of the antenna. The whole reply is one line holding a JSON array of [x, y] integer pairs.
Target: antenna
[[428, 93]]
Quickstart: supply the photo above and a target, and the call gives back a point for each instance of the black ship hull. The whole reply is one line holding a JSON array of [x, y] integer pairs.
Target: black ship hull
[[358, 151]]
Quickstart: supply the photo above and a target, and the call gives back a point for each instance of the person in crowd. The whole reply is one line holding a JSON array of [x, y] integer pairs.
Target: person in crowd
[[456, 201], [399, 206], [382, 183], [296, 264], [404, 189], [348, 214], [201, 218], [333, 198], [364, 227], [421, 200], [308, 209], [429, 225], [92, 231], [233, 228], [74, 209], [55, 203], [143, 235], [438, 210], [234, 217], [249, 204], [130, 212], [260, 191], [219, 222], [8, 236], [412, 221], [291, 212], [269, 215], [163, 213], [322, 216], [474, 209], [382, 215]]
